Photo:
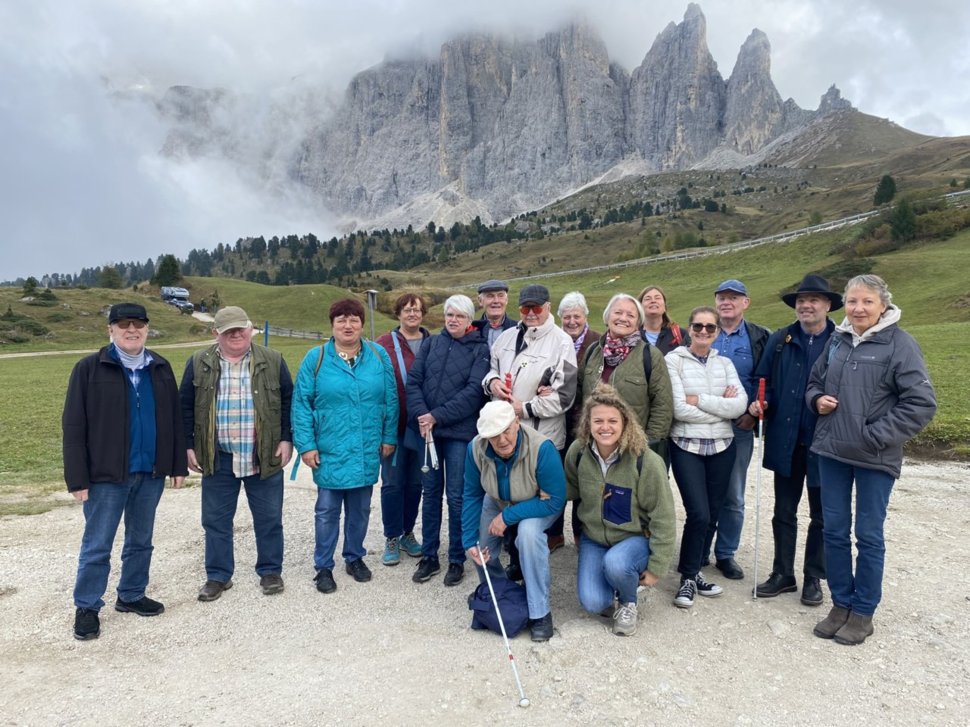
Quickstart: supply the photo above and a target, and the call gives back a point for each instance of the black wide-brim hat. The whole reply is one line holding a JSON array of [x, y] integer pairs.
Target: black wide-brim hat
[[817, 285]]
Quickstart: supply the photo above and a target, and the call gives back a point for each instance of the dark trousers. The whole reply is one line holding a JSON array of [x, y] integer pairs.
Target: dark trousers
[[784, 523], [703, 484]]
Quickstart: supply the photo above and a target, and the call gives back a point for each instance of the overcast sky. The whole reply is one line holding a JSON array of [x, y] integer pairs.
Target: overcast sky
[[83, 183]]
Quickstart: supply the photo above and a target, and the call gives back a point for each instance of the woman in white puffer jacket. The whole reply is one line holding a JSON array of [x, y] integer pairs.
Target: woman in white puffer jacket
[[708, 395]]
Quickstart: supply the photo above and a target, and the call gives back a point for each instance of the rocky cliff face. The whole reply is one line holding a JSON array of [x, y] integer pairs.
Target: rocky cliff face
[[494, 127]]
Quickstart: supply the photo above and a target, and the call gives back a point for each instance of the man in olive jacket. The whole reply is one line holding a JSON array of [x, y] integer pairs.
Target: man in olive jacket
[[236, 414]]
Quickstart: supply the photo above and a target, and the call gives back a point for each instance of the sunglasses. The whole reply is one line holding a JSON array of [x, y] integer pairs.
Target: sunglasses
[[698, 327], [534, 309], [126, 324]]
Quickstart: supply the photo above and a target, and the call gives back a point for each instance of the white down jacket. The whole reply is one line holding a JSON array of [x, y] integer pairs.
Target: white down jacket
[[712, 417]]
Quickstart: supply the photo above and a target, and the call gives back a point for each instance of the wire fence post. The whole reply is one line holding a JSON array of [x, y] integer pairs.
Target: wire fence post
[[266, 333]]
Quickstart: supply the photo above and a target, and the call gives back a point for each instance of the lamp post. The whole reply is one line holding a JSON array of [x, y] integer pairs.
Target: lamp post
[[372, 304]]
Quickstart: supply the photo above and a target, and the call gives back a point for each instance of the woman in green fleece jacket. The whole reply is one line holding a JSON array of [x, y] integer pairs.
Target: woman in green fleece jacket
[[625, 507]]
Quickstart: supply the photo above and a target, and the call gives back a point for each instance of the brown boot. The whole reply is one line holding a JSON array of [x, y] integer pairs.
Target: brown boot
[[855, 630], [827, 627]]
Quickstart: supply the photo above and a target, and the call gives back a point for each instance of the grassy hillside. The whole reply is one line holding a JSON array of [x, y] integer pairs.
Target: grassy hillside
[[928, 283]]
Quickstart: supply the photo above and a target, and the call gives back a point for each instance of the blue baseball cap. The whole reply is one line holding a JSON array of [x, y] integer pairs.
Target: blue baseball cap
[[732, 285]]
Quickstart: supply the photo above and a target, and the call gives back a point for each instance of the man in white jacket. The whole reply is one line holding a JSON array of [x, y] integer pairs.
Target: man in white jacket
[[536, 354]]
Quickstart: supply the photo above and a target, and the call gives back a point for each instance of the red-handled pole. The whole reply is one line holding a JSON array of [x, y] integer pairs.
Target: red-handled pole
[[757, 495], [508, 382]]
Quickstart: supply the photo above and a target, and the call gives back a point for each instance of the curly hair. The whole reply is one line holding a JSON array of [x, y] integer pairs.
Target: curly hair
[[633, 439]]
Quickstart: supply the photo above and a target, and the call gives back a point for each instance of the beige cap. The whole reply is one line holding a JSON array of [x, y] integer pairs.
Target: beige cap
[[232, 316]]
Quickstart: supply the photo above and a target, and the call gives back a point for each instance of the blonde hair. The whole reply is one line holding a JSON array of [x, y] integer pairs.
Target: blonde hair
[[633, 439]]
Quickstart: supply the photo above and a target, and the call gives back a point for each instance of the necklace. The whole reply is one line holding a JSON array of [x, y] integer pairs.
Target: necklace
[[348, 356]]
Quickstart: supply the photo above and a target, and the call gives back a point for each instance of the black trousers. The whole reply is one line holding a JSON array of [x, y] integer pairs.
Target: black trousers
[[784, 523]]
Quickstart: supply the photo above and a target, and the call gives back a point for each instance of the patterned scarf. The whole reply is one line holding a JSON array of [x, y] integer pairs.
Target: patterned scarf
[[578, 343], [615, 350]]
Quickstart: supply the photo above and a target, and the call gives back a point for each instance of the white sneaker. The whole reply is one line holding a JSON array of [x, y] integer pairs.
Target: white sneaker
[[710, 590], [625, 620], [685, 596]]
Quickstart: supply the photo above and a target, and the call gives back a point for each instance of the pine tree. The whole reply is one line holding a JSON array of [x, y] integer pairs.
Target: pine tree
[[167, 272], [885, 191]]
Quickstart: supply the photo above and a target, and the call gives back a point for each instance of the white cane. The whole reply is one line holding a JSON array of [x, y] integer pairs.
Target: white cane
[[523, 700], [757, 491]]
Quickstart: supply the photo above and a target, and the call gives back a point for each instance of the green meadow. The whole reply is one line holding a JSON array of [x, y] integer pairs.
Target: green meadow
[[928, 283]]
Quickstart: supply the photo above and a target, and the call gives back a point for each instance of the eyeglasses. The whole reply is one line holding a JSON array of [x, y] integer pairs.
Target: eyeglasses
[[457, 316], [411, 311], [698, 327], [534, 309], [128, 323]]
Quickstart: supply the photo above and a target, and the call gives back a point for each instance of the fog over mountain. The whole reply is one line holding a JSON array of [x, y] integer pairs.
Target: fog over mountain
[[97, 174]]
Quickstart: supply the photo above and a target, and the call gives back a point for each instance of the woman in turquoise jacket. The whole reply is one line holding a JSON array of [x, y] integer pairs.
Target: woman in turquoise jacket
[[345, 412]]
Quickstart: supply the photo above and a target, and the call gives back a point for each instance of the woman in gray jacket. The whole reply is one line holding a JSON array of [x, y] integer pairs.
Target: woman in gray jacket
[[872, 392]]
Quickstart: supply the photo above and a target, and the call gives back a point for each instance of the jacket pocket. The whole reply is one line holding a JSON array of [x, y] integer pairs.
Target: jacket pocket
[[617, 504]]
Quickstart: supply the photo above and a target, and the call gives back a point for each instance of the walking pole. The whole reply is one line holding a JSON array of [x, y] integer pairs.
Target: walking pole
[[433, 450], [523, 700], [757, 493]]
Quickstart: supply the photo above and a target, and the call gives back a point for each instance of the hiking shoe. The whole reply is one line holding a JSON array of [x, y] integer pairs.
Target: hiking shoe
[[541, 628], [812, 592], [625, 620], [776, 585], [211, 590], [855, 630], [392, 552], [324, 580], [87, 625], [454, 575], [410, 545], [730, 568], [427, 567], [685, 596], [710, 590], [358, 570], [144, 606], [271, 583], [829, 626]]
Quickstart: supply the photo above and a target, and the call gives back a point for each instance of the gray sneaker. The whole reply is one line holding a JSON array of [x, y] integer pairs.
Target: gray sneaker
[[625, 620]]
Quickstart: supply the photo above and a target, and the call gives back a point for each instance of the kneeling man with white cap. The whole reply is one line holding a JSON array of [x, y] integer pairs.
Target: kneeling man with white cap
[[513, 475]]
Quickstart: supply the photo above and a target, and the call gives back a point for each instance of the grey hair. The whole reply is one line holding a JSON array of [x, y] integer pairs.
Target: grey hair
[[873, 282], [616, 299], [462, 304], [575, 299]]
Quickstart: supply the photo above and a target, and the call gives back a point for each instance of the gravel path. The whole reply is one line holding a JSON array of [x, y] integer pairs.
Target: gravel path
[[399, 653]]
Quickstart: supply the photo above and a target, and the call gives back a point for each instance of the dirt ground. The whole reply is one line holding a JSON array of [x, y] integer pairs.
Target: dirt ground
[[399, 653]]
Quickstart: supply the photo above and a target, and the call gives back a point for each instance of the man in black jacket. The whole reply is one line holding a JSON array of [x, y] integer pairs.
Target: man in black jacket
[[122, 438], [788, 358]]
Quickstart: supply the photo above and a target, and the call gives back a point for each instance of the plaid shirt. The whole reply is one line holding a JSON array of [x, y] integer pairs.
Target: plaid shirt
[[703, 447], [236, 415]]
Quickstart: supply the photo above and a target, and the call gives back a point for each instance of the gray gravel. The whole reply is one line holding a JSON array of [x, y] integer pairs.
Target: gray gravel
[[395, 652]]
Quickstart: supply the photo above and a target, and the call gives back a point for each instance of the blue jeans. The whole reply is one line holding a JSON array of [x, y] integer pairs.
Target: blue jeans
[[450, 477], [533, 555], [356, 506], [607, 570], [136, 499], [400, 491], [702, 482], [730, 519], [862, 591], [220, 495]]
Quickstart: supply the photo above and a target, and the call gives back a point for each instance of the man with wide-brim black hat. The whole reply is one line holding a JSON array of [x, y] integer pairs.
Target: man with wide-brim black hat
[[788, 358]]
